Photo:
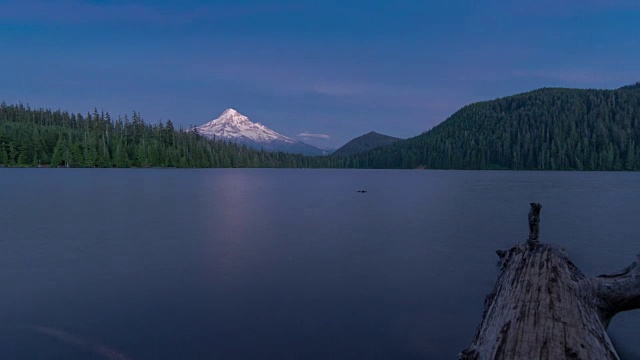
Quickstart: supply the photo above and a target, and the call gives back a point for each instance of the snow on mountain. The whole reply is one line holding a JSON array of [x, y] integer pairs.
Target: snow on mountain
[[235, 126], [231, 125]]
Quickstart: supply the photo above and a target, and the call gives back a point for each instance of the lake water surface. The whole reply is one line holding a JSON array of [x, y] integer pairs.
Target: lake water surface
[[284, 264]]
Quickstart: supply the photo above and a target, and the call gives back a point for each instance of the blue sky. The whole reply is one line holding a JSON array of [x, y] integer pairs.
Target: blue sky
[[336, 69]]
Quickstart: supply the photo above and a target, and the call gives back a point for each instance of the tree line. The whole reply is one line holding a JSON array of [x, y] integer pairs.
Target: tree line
[[545, 129], [44, 137]]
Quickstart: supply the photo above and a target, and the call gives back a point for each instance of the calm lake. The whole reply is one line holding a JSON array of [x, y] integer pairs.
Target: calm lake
[[284, 264]]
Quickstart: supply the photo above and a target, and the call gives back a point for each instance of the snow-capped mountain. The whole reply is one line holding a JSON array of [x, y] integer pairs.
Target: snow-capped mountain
[[233, 126]]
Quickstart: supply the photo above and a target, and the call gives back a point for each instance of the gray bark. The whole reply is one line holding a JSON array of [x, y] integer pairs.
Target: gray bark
[[534, 222], [543, 307]]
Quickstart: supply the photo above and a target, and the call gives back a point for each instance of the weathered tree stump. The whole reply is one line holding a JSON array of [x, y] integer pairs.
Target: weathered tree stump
[[543, 307]]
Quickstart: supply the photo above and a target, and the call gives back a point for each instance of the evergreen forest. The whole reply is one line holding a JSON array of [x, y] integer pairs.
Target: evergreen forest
[[545, 129], [42, 137]]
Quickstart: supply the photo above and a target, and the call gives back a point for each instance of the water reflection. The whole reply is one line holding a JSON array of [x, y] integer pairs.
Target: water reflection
[[104, 351], [231, 217], [241, 263]]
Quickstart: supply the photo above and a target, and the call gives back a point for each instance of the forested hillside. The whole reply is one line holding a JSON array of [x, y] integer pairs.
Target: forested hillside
[[33, 137], [546, 129], [365, 142]]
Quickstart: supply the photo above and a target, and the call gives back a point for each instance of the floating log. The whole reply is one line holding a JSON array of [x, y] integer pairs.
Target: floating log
[[543, 307]]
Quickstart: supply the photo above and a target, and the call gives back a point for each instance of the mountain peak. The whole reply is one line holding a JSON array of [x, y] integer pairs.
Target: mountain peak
[[230, 111], [232, 115], [232, 125]]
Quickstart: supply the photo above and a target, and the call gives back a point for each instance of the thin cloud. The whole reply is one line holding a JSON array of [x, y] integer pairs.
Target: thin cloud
[[82, 12], [581, 77], [567, 8], [71, 11], [351, 89], [316, 136]]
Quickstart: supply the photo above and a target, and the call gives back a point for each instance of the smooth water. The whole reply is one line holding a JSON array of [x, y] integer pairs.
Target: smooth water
[[286, 264]]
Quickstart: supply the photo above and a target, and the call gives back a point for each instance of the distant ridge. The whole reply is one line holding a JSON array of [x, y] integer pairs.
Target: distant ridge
[[631, 87], [366, 142]]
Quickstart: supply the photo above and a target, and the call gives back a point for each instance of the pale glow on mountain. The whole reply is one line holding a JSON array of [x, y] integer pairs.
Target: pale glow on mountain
[[235, 126]]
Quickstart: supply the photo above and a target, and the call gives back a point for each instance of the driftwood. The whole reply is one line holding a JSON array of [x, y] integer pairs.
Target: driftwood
[[543, 307]]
